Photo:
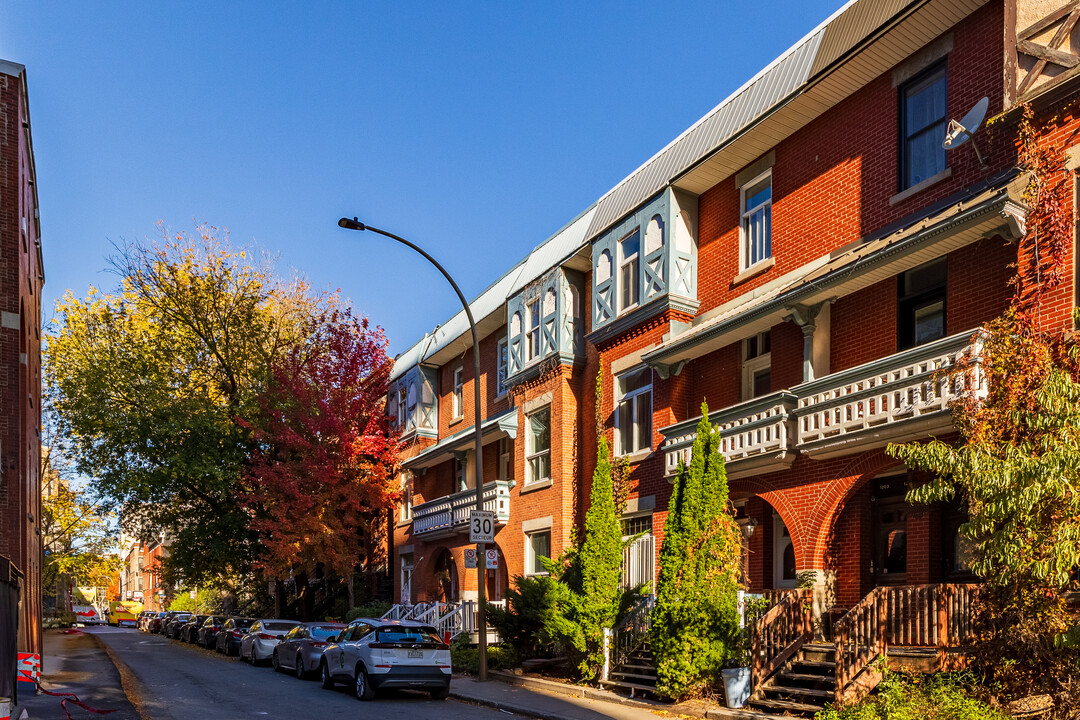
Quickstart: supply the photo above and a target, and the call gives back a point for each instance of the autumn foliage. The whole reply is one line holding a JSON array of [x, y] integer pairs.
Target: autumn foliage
[[321, 478]]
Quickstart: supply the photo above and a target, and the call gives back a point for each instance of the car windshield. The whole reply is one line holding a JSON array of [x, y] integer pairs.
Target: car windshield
[[278, 626], [243, 624], [321, 632], [395, 634]]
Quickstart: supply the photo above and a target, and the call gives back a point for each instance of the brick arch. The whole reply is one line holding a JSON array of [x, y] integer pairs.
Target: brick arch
[[796, 523], [425, 586], [832, 500]]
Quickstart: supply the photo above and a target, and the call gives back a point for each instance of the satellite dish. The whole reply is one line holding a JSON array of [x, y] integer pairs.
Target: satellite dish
[[960, 132]]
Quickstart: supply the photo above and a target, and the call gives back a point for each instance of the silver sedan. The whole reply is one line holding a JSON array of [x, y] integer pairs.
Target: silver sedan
[[302, 647], [262, 637]]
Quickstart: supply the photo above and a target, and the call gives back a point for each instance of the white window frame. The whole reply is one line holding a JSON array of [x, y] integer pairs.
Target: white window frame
[[635, 259], [402, 406], [744, 216], [752, 366], [530, 552], [458, 395], [533, 322], [631, 397], [502, 366], [406, 504], [532, 453]]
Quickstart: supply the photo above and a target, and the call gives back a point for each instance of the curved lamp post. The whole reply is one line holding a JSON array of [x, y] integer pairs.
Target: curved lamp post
[[481, 570]]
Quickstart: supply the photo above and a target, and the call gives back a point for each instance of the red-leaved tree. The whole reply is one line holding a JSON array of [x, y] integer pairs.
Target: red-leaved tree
[[321, 477]]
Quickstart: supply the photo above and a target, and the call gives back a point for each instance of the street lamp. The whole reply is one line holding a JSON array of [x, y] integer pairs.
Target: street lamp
[[481, 572]]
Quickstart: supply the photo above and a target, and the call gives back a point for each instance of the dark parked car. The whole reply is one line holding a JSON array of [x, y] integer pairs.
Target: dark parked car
[[172, 629], [209, 629], [302, 647], [154, 623], [190, 629], [231, 633], [144, 617]]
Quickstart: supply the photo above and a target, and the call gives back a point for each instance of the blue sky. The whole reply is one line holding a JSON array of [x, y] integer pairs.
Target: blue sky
[[473, 129]]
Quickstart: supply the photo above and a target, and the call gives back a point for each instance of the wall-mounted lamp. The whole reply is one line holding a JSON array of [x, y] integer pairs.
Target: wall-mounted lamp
[[748, 526]]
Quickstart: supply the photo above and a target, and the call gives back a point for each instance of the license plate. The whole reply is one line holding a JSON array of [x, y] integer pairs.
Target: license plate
[[416, 653]]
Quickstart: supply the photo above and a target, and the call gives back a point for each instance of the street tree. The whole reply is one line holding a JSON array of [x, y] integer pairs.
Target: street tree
[[149, 383], [320, 477]]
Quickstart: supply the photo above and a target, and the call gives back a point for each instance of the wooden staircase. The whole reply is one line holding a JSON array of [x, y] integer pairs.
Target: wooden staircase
[[803, 685], [636, 674]]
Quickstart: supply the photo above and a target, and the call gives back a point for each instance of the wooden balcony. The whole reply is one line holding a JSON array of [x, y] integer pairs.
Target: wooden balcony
[[756, 436], [450, 514], [897, 398]]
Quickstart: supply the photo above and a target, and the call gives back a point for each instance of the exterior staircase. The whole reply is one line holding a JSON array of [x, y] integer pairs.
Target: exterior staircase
[[803, 685], [636, 674]]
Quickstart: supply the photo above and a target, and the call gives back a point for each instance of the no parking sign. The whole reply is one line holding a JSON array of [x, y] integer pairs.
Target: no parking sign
[[491, 559]]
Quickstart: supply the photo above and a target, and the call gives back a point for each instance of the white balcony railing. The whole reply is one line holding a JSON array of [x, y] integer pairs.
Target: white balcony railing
[[892, 391], [451, 513], [759, 431]]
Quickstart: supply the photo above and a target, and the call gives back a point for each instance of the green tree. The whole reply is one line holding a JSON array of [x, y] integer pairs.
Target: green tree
[[695, 622], [78, 536], [600, 562], [149, 383]]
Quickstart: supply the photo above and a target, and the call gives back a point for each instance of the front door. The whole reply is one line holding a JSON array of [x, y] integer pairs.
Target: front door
[[889, 522], [784, 573], [406, 578]]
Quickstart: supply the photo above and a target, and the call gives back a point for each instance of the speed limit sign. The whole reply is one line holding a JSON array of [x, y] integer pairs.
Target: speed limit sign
[[482, 526]]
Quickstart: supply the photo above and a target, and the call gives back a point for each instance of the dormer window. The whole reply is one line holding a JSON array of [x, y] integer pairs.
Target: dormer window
[[629, 271]]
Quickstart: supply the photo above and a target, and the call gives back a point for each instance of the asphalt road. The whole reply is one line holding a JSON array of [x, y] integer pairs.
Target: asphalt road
[[170, 680]]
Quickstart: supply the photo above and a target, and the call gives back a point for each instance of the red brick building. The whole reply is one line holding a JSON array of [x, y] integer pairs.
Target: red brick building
[[21, 279], [803, 259]]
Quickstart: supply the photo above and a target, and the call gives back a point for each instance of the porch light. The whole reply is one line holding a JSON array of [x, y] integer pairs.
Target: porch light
[[748, 527]]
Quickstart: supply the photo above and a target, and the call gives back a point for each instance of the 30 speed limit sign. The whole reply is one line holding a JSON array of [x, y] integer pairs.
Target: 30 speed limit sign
[[482, 526]]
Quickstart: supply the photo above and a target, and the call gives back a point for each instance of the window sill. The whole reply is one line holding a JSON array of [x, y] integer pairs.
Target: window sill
[[754, 271], [404, 523], [538, 485], [920, 186], [637, 457], [455, 420]]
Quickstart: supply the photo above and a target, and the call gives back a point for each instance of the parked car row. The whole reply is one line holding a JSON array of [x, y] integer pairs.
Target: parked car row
[[368, 654]]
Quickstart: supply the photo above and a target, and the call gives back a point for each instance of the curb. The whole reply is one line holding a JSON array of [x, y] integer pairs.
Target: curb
[[508, 707]]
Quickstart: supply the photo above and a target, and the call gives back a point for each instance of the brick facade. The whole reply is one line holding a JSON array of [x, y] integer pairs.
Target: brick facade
[[836, 509], [21, 279]]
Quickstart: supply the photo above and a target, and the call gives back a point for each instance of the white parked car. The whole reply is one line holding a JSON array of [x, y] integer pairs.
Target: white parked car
[[371, 654], [263, 635]]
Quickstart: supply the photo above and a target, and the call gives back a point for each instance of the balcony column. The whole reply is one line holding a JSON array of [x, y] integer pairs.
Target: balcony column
[[811, 318]]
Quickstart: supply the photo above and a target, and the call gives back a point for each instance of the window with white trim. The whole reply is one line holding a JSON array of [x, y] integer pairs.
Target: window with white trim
[[757, 366], [630, 270], [459, 386], [633, 411], [532, 331], [756, 229], [502, 361], [538, 446], [537, 545], [402, 407], [506, 459], [923, 119]]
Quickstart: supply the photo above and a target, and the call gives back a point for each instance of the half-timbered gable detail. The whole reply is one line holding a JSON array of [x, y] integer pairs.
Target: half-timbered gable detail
[[1042, 47]]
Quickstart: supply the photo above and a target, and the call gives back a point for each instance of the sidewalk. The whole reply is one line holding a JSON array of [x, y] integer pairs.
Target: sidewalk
[[74, 664], [549, 700]]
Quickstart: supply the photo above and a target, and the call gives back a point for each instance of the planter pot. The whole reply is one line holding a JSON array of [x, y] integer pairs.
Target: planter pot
[[736, 686]]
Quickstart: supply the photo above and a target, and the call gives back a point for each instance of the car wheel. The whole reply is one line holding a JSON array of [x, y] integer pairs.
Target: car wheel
[[298, 666], [327, 680], [274, 662], [363, 688], [440, 694], [253, 657]]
